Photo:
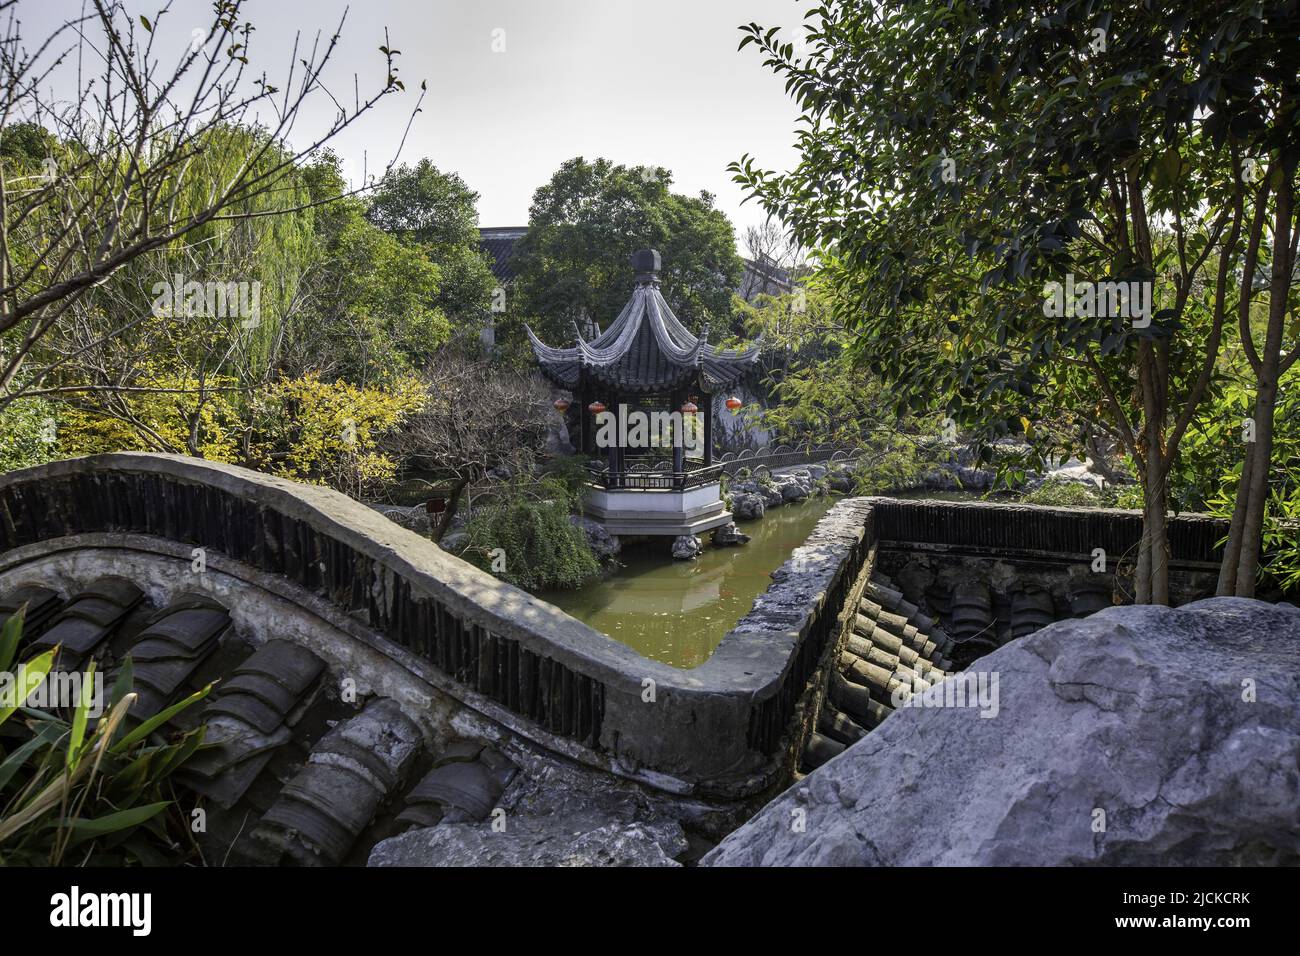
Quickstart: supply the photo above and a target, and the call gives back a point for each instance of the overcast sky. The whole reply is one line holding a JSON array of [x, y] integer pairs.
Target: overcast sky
[[636, 81]]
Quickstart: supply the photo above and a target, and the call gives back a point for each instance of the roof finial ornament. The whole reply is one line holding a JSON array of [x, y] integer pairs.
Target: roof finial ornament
[[647, 265]]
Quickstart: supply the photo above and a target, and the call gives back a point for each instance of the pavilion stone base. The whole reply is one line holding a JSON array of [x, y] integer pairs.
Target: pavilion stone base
[[671, 513]]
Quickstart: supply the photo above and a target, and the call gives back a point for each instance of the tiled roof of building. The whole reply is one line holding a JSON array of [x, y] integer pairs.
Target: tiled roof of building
[[499, 242], [764, 277], [646, 349]]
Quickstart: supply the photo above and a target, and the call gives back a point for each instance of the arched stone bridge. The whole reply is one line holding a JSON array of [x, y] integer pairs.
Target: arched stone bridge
[[355, 655], [390, 609]]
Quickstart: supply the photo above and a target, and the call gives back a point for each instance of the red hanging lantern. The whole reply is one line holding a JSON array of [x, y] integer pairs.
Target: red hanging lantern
[[561, 405], [596, 407], [690, 408], [734, 404]]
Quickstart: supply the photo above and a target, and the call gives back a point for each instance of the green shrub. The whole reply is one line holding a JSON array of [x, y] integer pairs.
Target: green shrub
[[1061, 493], [1129, 496], [28, 434], [897, 463], [530, 542], [76, 793], [570, 472]]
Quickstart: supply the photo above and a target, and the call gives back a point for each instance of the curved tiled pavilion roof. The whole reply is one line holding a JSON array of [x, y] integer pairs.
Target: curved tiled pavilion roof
[[646, 349]]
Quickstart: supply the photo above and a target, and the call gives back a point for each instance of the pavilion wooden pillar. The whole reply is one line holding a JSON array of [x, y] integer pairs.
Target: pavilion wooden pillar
[[620, 452], [614, 451], [584, 421], [677, 400], [706, 406]]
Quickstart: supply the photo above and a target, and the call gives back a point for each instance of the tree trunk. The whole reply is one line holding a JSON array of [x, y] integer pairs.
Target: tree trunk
[[1256, 492], [1252, 532], [1232, 550], [1151, 585], [453, 504]]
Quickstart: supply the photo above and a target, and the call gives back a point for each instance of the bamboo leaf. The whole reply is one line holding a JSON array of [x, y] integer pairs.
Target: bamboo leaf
[[43, 738], [29, 675], [83, 830], [9, 634], [157, 720], [79, 718]]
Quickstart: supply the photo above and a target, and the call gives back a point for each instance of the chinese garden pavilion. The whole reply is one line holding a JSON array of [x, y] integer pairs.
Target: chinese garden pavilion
[[647, 366]]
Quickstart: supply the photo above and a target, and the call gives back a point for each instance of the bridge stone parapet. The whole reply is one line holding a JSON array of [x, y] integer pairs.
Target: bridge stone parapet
[[730, 729], [511, 656]]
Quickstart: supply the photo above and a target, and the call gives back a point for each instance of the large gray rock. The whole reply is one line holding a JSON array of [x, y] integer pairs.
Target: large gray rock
[[557, 438], [976, 479], [729, 535], [686, 547], [603, 544], [794, 487], [1139, 735], [455, 542], [840, 480], [747, 506], [1072, 471], [579, 840]]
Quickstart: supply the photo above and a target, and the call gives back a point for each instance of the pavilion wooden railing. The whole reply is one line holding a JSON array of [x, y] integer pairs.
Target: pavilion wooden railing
[[784, 456], [654, 480]]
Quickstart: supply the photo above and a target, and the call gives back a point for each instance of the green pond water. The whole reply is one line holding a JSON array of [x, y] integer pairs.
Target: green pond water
[[678, 611]]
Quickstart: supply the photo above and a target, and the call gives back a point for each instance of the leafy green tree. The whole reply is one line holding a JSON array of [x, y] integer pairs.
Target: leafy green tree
[[161, 152], [25, 146], [1208, 473], [340, 300], [583, 226], [420, 204], [957, 157], [816, 391], [377, 298]]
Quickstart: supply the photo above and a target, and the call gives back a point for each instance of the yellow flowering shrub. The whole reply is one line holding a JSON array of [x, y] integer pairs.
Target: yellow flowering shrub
[[155, 421], [330, 432], [327, 433]]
